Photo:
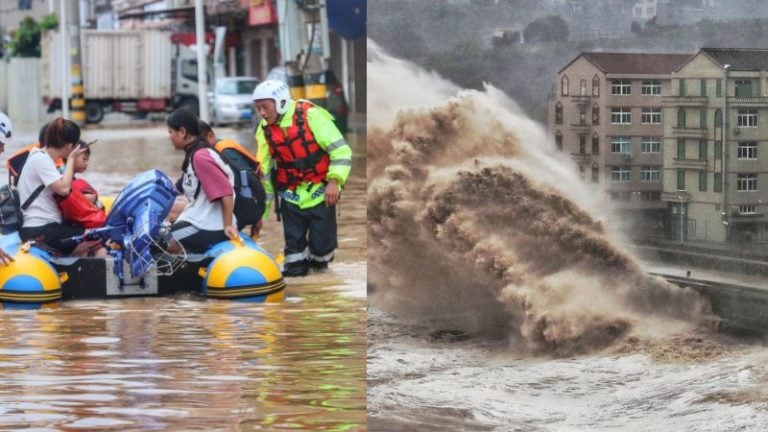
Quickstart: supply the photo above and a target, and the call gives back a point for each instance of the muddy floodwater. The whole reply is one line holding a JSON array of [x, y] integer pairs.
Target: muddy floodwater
[[184, 362]]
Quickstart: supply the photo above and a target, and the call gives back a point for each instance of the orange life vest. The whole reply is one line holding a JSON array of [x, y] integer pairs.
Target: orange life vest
[[298, 156]]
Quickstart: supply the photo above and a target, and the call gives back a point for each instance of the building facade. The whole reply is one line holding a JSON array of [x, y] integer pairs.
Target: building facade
[[607, 115], [715, 171]]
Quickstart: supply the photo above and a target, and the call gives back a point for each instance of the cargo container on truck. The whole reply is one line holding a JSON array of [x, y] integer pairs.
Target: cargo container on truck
[[132, 71]]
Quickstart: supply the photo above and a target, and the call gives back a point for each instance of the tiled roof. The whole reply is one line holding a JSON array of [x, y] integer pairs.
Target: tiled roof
[[740, 59], [636, 63]]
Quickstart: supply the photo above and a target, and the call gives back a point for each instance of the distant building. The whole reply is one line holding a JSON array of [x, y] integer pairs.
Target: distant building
[[722, 168], [607, 115], [644, 10]]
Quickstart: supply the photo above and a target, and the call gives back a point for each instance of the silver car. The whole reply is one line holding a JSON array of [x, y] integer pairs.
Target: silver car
[[230, 100]]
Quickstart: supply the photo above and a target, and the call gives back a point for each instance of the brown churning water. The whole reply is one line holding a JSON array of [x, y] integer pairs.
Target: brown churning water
[[474, 222]]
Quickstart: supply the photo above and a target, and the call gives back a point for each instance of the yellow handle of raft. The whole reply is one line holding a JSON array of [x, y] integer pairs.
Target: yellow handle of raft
[[202, 272], [63, 277]]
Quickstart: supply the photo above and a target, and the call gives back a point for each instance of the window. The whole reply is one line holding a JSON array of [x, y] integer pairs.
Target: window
[[582, 144], [702, 149], [582, 115], [651, 116], [595, 173], [559, 140], [703, 181], [718, 118], [595, 86], [719, 88], [651, 88], [25, 4], [650, 196], [582, 171], [703, 91], [650, 174], [680, 179], [681, 117], [559, 113], [747, 118], [621, 116], [718, 150], [583, 87], [680, 148], [748, 150], [743, 88], [718, 182], [564, 85], [650, 145], [595, 144], [747, 209], [703, 118], [681, 88], [621, 145], [621, 87], [620, 174], [746, 182], [189, 69], [595, 114]]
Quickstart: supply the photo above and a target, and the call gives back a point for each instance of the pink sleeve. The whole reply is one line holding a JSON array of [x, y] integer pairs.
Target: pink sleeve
[[213, 180]]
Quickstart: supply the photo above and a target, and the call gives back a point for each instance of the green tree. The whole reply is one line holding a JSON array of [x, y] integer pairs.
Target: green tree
[[26, 39], [548, 29]]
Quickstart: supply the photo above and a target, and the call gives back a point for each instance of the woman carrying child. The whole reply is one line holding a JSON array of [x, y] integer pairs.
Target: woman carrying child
[[41, 181]]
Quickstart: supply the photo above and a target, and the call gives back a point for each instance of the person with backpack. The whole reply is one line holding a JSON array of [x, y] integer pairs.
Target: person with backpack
[[40, 182], [207, 183], [250, 198], [305, 160], [6, 131]]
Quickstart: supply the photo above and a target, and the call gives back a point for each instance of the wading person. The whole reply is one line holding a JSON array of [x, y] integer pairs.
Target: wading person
[[206, 182], [305, 161], [41, 181]]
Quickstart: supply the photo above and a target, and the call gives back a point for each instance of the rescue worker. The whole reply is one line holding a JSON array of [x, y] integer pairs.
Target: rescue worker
[[6, 131], [305, 162]]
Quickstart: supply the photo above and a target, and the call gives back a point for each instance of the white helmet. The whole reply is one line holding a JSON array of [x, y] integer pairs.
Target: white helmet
[[275, 90], [6, 127]]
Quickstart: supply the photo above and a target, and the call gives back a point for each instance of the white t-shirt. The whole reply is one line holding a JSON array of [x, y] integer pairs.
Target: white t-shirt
[[40, 169], [200, 212]]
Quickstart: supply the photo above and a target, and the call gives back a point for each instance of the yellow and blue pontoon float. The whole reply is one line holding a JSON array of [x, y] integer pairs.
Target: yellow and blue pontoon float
[[137, 265]]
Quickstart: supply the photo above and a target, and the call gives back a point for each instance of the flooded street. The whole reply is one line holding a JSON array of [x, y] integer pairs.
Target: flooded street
[[501, 297], [184, 362]]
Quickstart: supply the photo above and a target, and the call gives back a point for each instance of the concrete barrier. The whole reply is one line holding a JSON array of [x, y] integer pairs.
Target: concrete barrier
[[4, 85], [23, 77]]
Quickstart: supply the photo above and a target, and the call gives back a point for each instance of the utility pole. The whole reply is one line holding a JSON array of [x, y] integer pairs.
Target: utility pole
[[202, 70], [72, 100], [304, 47]]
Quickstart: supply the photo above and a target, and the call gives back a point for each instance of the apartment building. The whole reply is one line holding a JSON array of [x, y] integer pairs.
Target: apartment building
[[715, 173], [607, 114]]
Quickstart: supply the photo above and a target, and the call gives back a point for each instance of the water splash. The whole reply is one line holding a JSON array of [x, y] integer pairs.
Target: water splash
[[474, 220]]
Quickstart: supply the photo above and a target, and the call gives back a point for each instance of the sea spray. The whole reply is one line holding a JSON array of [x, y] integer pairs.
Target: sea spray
[[475, 222]]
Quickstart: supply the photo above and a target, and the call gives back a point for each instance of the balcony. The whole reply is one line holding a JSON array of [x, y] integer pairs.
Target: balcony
[[580, 157], [747, 102], [581, 99], [676, 196], [695, 164], [689, 132], [580, 127], [686, 101]]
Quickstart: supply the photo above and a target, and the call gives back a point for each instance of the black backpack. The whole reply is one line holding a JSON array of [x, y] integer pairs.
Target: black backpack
[[250, 198], [10, 209]]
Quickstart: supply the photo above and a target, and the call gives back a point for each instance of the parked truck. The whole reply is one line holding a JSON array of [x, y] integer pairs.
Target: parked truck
[[132, 71]]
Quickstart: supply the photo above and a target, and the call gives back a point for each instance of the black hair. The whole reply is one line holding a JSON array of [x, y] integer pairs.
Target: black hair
[[61, 132], [87, 150], [184, 118], [41, 135], [204, 127]]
